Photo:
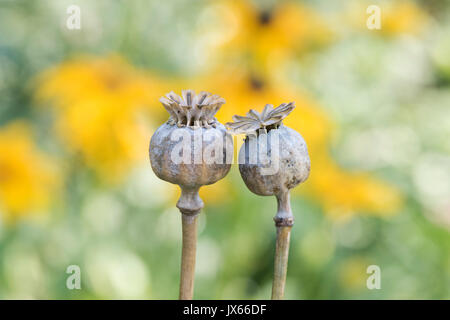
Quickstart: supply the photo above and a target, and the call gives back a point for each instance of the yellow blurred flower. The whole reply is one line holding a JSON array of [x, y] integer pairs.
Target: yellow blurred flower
[[404, 17], [106, 134], [265, 35], [28, 179], [86, 77], [99, 111], [344, 193]]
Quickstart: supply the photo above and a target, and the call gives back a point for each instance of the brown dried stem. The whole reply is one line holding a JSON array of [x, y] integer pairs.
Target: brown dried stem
[[281, 262], [188, 253], [284, 220], [190, 206]]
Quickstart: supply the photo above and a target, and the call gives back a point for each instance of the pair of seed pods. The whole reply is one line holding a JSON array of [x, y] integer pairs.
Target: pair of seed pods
[[272, 160]]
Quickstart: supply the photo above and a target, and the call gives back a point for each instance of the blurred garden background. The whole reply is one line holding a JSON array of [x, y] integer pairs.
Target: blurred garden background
[[78, 108]]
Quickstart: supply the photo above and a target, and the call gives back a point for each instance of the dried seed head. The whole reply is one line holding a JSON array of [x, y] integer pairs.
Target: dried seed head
[[273, 158], [192, 110], [181, 155]]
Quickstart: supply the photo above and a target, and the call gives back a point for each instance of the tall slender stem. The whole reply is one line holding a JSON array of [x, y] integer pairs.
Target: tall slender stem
[[281, 262], [188, 253], [284, 220], [190, 206]]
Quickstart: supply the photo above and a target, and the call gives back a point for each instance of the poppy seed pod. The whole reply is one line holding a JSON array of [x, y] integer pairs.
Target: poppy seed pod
[[191, 120], [287, 161], [273, 160], [190, 150]]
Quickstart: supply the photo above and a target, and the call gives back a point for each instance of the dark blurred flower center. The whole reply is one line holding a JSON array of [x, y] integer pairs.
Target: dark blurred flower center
[[256, 83], [265, 17]]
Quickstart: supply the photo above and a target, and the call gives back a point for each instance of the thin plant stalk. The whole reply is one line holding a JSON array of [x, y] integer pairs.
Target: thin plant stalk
[[281, 262], [190, 206], [284, 220], [188, 254]]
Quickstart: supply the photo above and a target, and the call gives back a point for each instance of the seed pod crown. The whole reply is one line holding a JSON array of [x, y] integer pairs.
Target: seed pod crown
[[268, 119], [191, 110]]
